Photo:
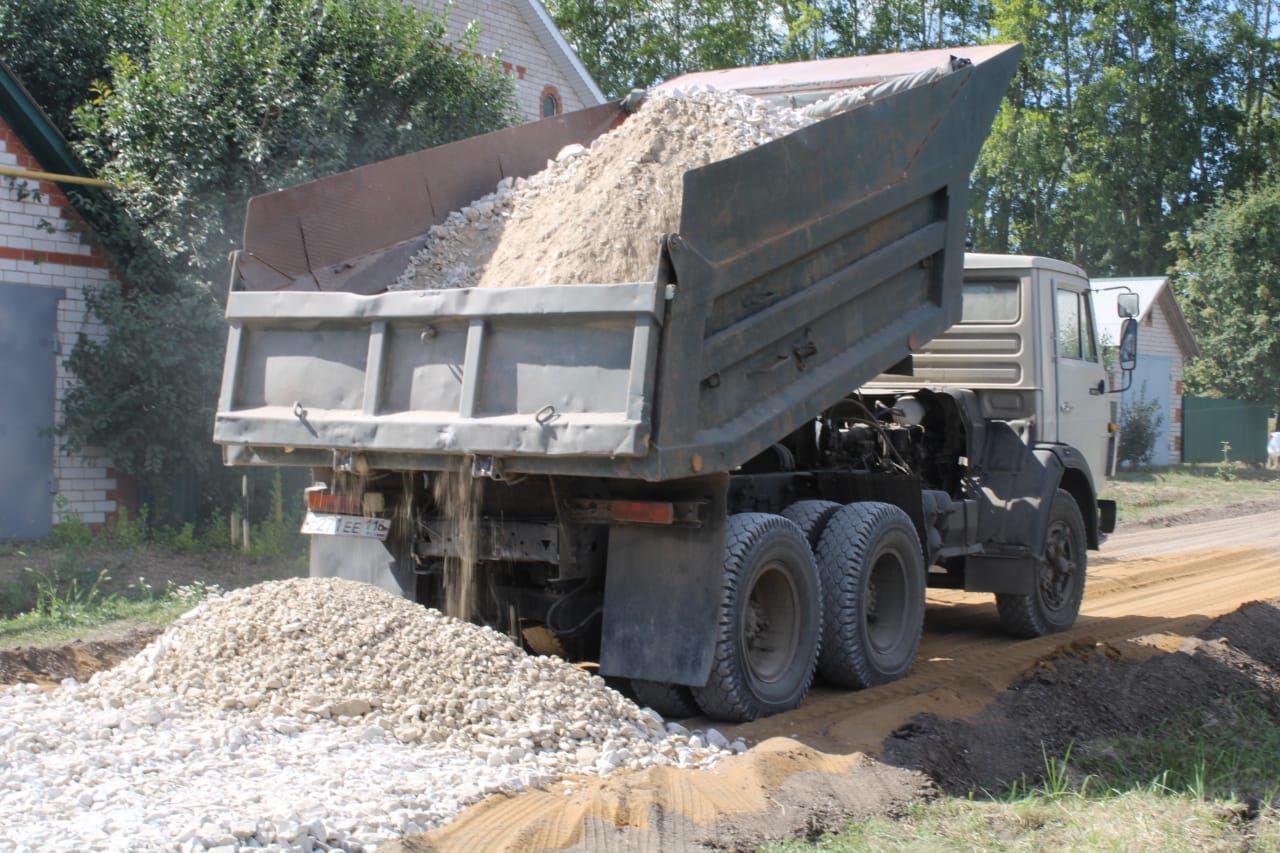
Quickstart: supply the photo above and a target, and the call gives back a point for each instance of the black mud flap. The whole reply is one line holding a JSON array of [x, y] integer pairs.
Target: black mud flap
[[1005, 575], [662, 594], [1107, 516]]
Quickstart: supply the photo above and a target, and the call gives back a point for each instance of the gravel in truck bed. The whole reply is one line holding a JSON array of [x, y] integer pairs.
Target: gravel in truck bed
[[308, 714], [595, 215]]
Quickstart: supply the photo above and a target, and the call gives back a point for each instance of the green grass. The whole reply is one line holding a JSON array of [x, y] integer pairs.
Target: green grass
[[61, 588], [1205, 781], [71, 600], [1228, 751], [1132, 821], [34, 629], [1158, 492]]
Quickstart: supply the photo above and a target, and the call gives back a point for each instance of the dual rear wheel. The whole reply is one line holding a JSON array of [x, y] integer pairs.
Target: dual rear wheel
[[825, 588], [840, 591]]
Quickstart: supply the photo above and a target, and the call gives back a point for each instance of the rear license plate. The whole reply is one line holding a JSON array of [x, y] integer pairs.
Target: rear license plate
[[328, 524]]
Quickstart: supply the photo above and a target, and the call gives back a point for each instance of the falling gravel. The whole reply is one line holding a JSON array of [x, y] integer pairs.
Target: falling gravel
[[595, 215], [304, 714]]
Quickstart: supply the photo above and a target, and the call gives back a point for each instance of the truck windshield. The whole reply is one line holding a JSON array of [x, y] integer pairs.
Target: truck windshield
[[987, 301]]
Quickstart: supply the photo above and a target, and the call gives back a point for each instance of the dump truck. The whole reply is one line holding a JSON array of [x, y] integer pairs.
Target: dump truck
[[722, 480]]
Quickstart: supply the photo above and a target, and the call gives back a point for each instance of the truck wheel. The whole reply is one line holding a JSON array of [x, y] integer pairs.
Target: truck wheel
[[1059, 585], [770, 621], [669, 700], [811, 517], [873, 598]]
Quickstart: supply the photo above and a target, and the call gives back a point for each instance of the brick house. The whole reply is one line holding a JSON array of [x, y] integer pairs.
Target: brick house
[[48, 259], [549, 78], [1165, 343]]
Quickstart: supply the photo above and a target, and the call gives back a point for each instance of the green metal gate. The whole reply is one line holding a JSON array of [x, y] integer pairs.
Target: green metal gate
[[1209, 421]]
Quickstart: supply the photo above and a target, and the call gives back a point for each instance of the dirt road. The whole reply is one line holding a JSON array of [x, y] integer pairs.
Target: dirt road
[[1160, 584]]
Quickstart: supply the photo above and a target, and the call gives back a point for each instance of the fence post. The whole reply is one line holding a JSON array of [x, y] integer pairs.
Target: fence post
[[244, 520]]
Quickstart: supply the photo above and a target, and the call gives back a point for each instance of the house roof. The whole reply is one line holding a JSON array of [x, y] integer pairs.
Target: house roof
[[37, 132], [1151, 290]]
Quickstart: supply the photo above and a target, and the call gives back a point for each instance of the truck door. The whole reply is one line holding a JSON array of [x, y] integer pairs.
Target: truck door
[[1080, 382]]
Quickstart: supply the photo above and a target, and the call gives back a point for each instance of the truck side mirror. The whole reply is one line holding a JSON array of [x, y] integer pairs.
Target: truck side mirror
[[1127, 305], [1129, 343], [1128, 352]]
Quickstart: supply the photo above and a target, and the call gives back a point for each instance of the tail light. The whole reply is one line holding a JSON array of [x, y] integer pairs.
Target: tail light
[[320, 500], [643, 512]]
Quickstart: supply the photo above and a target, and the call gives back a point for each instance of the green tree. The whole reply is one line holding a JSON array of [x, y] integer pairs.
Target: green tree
[[1228, 277], [229, 99], [629, 45], [59, 48], [633, 45], [1119, 129], [238, 97]]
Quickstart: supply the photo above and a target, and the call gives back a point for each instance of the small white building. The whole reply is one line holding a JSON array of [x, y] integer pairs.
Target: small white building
[[549, 77], [1165, 343]]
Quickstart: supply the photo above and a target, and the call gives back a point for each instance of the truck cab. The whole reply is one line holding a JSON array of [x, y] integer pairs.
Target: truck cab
[[1027, 345]]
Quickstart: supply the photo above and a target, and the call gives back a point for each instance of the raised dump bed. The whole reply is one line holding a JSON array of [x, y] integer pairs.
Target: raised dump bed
[[800, 270]]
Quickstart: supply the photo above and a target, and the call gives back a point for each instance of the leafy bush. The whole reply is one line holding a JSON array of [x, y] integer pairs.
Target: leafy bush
[[69, 600], [128, 531], [209, 103], [71, 531], [215, 532], [145, 394], [181, 539], [58, 48], [276, 539], [279, 535], [1226, 277], [1140, 424]]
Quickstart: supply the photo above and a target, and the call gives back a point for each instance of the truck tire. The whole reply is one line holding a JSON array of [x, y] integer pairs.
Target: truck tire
[[770, 621], [1054, 603], [873, 579], [674, 701], [811, 517]]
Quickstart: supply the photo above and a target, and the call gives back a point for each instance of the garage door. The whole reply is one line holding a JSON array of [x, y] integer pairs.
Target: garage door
[[28, 317]]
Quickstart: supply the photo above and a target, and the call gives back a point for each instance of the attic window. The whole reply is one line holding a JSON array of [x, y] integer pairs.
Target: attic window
[[551, 105]]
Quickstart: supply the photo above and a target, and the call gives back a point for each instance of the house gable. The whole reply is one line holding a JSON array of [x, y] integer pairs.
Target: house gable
[[525, 40], [1162, 333]]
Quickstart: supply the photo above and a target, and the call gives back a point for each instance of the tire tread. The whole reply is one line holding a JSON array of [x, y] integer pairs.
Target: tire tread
[[725, 697], [1020, 614], [811, 517], [848, 536], [673, 701]]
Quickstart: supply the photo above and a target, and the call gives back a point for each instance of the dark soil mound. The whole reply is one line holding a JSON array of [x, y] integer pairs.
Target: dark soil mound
[[1085, 693], [78, 660]]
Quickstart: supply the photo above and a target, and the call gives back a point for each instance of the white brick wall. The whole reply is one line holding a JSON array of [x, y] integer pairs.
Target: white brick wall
[[505, 30], [38, 248]]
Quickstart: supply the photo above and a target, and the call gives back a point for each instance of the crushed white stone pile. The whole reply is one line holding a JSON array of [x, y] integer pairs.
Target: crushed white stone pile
[[595, 215], [308, 714]]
